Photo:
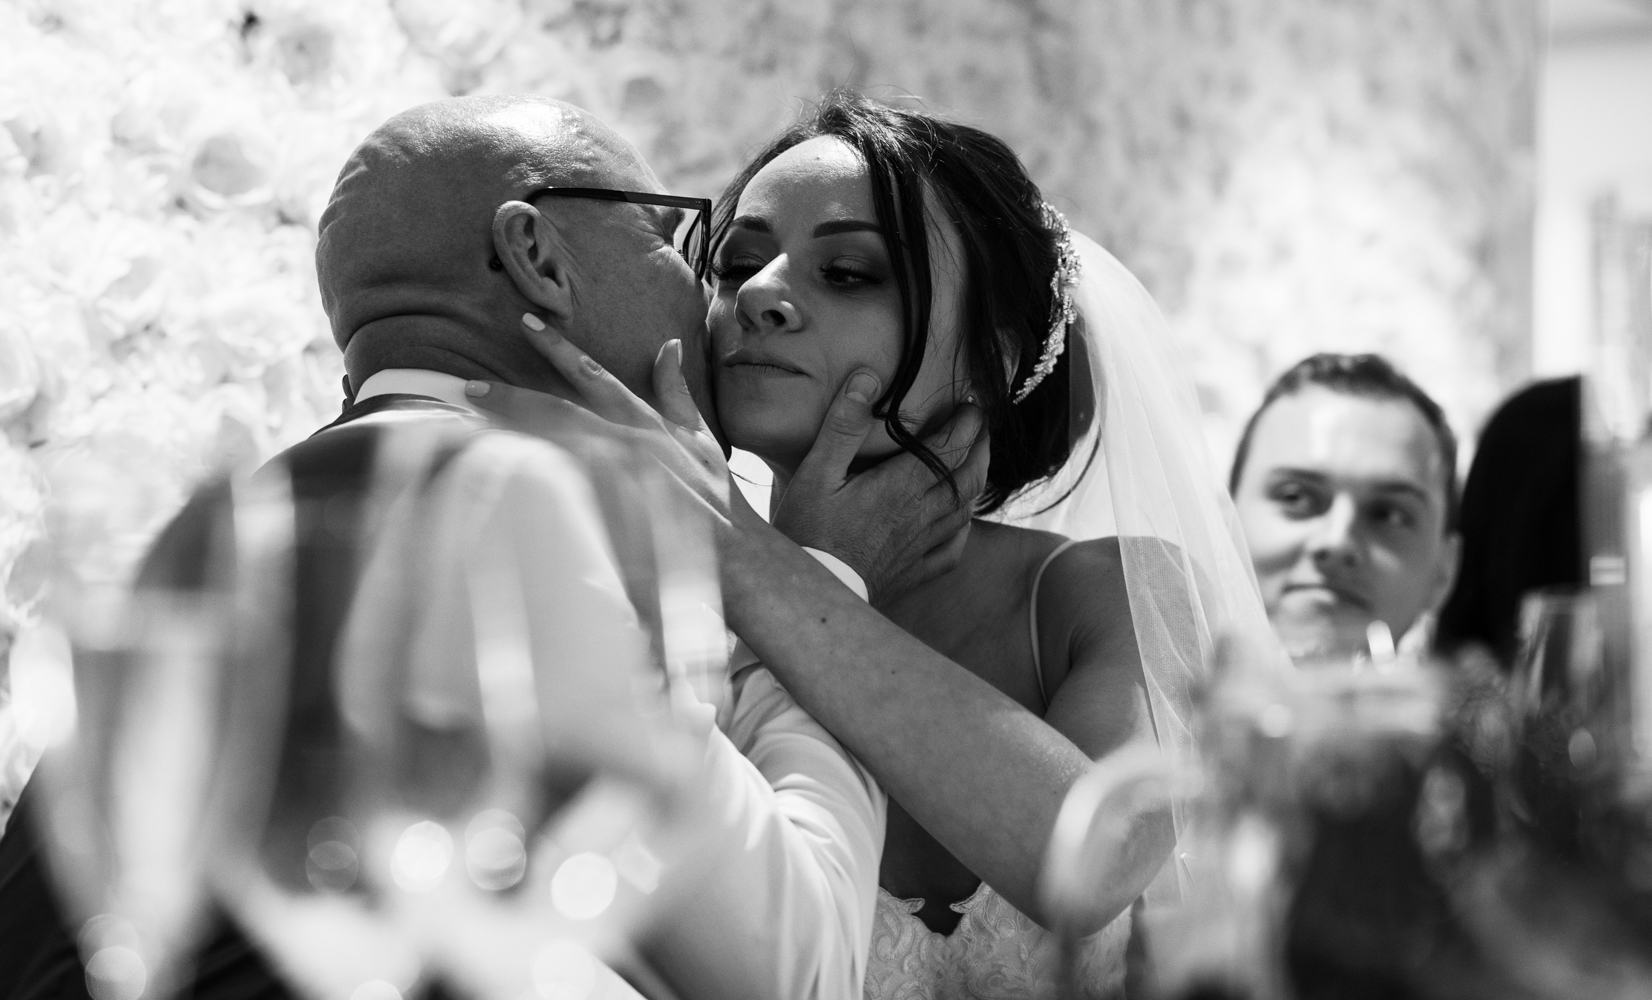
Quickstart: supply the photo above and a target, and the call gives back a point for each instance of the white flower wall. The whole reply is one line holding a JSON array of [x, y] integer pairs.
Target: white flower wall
[[1284, 174], [162, 166]]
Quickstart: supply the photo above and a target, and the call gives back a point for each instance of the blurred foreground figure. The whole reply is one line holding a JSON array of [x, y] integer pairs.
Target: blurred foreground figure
[[1333, 802], [465, 663], [1520, 522], [1345, 481], [1348, 844], [328, 679]]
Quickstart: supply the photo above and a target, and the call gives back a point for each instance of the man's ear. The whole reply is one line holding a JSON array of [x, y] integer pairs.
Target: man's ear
[[535, 258]]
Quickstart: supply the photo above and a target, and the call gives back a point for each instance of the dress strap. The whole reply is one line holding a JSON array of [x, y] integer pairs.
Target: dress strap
[[1032, 615]]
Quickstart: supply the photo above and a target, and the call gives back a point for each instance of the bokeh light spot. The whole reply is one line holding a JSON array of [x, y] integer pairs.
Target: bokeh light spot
[[376, 989], [495, 854], [1276, 721], [334, 860], [583, 886], [116, 973], [421, 856]]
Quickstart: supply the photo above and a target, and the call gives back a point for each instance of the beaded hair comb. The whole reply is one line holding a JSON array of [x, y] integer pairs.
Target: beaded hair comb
[[1061, 283]]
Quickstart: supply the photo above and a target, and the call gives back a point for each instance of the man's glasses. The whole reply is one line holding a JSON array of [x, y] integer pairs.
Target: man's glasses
[[692, 235]]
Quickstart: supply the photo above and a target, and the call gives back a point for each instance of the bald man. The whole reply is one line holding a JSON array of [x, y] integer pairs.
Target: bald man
[[428, 255]]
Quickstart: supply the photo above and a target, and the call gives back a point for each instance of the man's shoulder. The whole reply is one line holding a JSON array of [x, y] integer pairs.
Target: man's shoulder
[[349, 442], [178, 559], [349, 454], [336, 462], [396, 449]]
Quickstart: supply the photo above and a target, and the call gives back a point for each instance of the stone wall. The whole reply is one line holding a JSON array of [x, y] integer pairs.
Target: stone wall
[[1285, 175]]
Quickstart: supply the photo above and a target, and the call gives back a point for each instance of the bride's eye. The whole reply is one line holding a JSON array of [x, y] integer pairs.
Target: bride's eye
[[735, 270], [849, 274]]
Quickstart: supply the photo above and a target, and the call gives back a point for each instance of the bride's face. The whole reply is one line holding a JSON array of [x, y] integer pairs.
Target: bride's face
[[806, 295]]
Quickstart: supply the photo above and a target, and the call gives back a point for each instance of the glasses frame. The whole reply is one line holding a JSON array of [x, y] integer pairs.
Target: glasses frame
[[703, 205]]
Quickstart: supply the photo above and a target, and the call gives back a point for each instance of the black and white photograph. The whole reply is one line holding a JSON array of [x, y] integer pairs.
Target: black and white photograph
[[825, 499]]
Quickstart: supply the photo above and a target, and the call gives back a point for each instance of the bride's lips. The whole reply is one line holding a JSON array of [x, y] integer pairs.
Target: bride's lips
[[745, 357]]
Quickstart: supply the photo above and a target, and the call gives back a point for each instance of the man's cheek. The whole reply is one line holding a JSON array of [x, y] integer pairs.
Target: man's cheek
[[1277, 559], [1272, 543], [1396, 567], [697, 374]]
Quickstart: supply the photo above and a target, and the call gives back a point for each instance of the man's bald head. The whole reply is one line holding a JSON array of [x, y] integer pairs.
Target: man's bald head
[[408, 229]]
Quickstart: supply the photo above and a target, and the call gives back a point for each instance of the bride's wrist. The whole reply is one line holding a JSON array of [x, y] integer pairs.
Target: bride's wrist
[[741, 539]]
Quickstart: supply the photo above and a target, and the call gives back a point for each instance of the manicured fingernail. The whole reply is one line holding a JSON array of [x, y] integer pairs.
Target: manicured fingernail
[[532, 322], [475, 388], [862, 387]]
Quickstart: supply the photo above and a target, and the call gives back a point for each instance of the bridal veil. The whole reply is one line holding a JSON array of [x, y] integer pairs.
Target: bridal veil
[[1139, 470]]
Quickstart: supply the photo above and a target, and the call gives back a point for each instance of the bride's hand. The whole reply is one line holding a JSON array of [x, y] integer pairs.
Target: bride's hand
[[897, 523], [675, 435]]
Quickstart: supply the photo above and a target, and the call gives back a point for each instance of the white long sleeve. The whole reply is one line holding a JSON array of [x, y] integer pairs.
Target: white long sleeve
[[776, 899], [779, 903]]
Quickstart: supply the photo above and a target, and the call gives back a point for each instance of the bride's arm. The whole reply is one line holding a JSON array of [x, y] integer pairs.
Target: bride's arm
[[1101, 702], [983, 775]]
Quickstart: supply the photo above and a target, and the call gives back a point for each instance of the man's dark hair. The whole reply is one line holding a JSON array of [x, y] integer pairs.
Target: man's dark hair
[[1368, 375], [1010, 254]]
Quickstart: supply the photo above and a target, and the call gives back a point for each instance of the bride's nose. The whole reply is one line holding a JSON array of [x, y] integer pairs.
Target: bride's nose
[[764, 303]]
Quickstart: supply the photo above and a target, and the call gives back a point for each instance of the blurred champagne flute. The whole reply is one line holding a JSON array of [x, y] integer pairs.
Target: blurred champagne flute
[[136, 799], [454, 802], [1557, 691]]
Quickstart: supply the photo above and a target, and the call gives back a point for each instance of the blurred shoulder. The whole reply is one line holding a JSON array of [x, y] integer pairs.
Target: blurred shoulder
[[178, 557]]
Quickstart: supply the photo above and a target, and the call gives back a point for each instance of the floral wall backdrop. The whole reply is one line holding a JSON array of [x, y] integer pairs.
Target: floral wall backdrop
[[1285, 176]]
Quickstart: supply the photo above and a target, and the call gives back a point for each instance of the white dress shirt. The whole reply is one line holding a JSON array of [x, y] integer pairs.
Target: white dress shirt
[[777, 900], [416, 382]]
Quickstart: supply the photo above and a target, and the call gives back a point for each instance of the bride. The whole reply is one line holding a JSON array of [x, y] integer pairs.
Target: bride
[[912, 260]]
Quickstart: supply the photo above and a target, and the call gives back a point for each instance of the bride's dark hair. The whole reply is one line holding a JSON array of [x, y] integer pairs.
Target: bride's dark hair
[[1010, 256]]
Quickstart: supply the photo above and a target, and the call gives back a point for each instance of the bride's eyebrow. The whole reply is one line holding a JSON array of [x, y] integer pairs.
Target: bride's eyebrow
[[754, 223], [835, 226]]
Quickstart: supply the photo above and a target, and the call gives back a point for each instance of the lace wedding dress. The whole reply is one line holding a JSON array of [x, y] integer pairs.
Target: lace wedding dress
[[995, 953]]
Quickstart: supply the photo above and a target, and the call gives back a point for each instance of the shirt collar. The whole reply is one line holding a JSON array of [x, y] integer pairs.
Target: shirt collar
[[416, 382]]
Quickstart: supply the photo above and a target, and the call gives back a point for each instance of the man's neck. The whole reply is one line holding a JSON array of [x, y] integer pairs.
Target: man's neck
[[422, 342]]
